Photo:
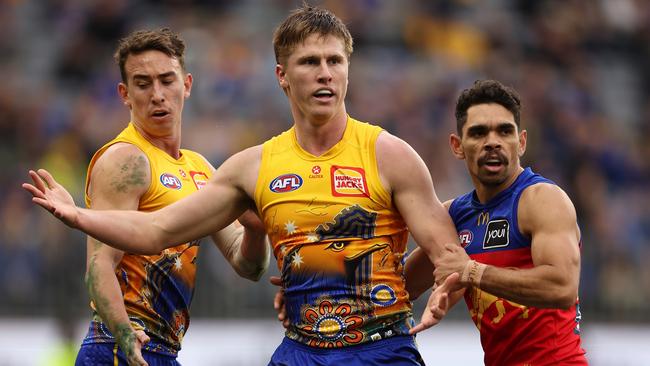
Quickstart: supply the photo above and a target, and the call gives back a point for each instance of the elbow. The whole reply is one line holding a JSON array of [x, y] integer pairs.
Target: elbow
[[252, 274], [563, 298], [568, 299]]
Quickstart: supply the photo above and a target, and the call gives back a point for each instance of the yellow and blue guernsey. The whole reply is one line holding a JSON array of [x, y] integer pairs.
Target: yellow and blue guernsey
[[157, 289], [338, 239]]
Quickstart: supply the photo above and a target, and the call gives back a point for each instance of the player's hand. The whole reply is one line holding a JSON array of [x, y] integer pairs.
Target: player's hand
[[278, 302], [437, 305], [451, 260], [50, 195], [131, 344]]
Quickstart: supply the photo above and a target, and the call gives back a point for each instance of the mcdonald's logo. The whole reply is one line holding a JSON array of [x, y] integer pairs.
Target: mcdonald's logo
[[483, 218]]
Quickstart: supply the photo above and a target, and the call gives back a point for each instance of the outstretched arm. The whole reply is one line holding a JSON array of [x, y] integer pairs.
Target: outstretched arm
[[410, 183], [219, 203], [413, 194], [547, 215]]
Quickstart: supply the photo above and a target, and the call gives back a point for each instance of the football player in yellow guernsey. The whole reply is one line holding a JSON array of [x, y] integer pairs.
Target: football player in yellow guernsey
[[141, 302], [336, 196]]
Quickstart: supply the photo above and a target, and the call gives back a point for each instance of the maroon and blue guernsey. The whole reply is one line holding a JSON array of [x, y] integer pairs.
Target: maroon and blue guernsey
[[512, 334]]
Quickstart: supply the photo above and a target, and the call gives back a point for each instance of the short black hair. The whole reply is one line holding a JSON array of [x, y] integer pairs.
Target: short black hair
[[487, 91]]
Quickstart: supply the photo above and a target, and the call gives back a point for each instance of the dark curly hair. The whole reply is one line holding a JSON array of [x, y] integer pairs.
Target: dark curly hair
[[487, 91]]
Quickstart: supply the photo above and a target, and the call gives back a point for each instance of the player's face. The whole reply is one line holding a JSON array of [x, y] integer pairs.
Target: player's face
[[491, 145], [155, 91], [315, 78]]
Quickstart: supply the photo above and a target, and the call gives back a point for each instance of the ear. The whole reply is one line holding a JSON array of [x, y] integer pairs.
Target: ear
[[188, 84], [455, 143], [123, 92], [281, 75], [523, 136]]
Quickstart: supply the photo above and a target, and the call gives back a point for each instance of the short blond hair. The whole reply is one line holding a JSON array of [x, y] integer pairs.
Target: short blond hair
[[302, 23]]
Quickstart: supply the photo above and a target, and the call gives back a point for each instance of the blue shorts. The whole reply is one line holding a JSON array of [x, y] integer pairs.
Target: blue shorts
[[397, 351], [108, 354]]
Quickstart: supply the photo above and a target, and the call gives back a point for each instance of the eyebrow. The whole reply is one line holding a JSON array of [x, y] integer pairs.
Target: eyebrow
[[484, 127], [148, 77]]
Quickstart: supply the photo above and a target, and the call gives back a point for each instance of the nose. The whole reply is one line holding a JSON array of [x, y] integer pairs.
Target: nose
[[158, 96], [324, 74], [492, 141]]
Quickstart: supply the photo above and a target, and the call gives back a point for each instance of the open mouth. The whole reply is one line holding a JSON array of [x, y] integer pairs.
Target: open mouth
[[159, 114], [323, 94], [493, 162]]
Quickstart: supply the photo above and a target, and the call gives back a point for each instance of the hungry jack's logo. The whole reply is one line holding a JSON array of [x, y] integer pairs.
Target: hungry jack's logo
[[200, 179], [349, 181]]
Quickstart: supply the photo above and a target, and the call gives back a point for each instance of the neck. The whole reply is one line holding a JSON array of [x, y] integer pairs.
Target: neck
[[487, 192], [317, 137], [167, 141]]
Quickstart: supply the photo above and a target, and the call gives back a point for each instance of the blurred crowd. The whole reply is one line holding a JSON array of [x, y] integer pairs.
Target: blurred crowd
[[580, 67]]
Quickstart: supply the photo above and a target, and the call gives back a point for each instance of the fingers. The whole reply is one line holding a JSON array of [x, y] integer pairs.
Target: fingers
[[420, 327], [439, 310], [275, 280], [451, 247], [38, 182], [33, 190], [451, 282], [45, 175], [143, 338]]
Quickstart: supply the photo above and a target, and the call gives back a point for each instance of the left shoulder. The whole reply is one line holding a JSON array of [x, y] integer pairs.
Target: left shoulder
[[398, 163], [391, 145], [545, 204]]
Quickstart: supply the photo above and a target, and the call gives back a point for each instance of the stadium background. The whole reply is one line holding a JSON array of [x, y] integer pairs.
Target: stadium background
[[580, 66]]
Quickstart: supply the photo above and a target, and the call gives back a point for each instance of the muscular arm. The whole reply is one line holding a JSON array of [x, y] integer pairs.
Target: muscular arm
[[405, 174], [548, 216], [226, 196], [118, 180]]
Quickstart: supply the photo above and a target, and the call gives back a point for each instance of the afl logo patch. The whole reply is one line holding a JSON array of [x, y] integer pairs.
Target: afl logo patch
[[285, 183], [170, 181], [465, 237]]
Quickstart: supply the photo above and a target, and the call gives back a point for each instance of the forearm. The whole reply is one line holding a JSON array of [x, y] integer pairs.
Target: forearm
[[247, 252], [105, 292], [129, 231], [541, 286], [254, 254]]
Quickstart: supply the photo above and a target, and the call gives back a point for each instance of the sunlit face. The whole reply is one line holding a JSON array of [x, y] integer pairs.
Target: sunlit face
[[315, 78], [491, 145], [155, 91]]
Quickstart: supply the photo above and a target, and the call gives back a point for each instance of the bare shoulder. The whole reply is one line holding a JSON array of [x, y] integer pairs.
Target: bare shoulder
[[447, 204], [398, 162], [545, 204], [123, 169]]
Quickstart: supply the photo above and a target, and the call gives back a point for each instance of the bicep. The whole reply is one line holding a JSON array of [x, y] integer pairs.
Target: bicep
[[414, 195], [212, 208], [548, 216], [117, 181]]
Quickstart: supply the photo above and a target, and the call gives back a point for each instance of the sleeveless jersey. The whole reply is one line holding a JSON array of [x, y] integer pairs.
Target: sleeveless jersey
[[512, 334], [157, 289], [337, 238]]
